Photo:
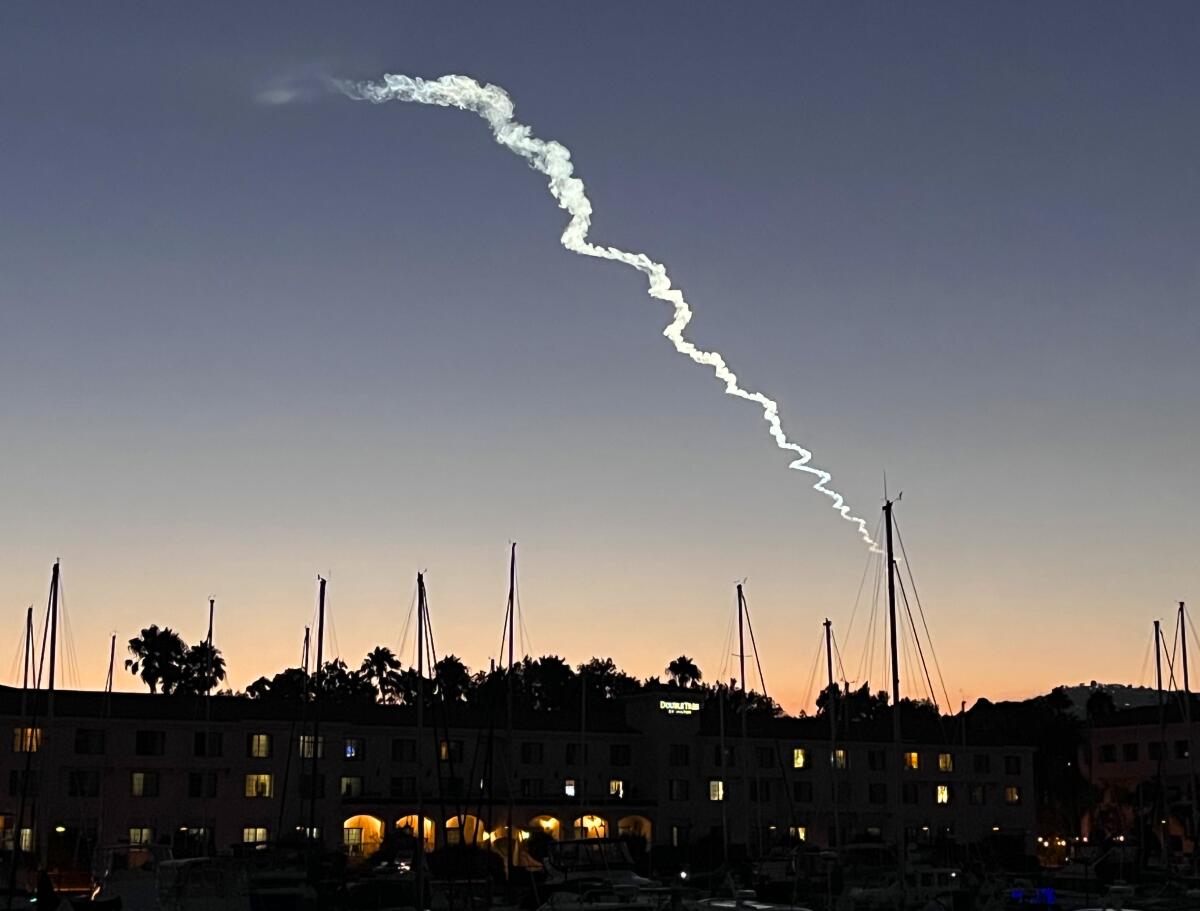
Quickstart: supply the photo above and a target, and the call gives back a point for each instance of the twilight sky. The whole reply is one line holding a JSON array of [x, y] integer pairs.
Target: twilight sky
[[242, 343]]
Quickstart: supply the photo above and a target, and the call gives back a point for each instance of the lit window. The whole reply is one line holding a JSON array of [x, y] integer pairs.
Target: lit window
[[27, 840], [716, 789], [306, 746], [140, 836], [1012, 794], [798, 833], [912, 761], [310, 832], [27, 740], [354, 748], [945, 762], [799, 758], [351, 786], [254, 835], [943, 794], [352, 838], [569, 787], [143, 784], [258, 785], [259, 746], [616, 788], [838, 759], [450, 750]]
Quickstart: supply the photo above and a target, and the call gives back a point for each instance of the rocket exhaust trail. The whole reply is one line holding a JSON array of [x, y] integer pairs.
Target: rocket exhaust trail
[[553, 159]]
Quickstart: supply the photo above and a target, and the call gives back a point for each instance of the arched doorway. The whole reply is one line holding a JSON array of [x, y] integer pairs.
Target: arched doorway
[[408, 825], [465, 830], [638, 826], [362, 835], [547, 825], [590, 826]]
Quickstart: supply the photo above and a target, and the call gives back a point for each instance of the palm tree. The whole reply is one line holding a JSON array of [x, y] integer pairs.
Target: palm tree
[[203, 668], [382, 668], [684, 672], [452, 679], [158, 658]]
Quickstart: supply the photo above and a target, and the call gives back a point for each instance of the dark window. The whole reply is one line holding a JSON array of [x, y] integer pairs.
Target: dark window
[[83, 783], [351, 786], [89, 742], [760, 791], [576, 753], [207, 743], [843, 792], [404, 750], [730, 758], [450, 750], [677, 789], [908, 792], [766, 757], [404, 786], [876, 760], [531, 787], [150, 743], [15, 779], [877, 792], [620, 754], [1108, 752], [1181, 749], [1012, 765], [306, 785], [1129, 752], [978, 795], [453, 786], [802, 791], [1155, 748], [983, 763], [354, 749], [533, 752], [679, 755], [202, 784]]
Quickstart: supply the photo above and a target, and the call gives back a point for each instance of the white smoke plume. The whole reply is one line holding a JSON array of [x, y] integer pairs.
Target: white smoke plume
[[553, 159]]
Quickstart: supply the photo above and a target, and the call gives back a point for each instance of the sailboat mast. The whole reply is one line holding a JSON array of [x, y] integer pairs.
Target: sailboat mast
[[316, 735], [897, 760], [419, 899], [112, 657], [513, 842], [28, 645], [208, 659], [833, 701], [741, 605], [53, 625]]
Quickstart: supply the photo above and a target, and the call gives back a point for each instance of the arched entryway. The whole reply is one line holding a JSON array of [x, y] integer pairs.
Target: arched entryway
[[638, 826], [590, 826], [408, 825], [465, 830], [362, 835], [546, 825]]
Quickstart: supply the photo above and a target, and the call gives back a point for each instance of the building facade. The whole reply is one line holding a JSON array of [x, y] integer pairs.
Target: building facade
[[200, 774]]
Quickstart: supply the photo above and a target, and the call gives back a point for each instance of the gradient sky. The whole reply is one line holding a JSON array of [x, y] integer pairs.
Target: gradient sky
[[244, 343]]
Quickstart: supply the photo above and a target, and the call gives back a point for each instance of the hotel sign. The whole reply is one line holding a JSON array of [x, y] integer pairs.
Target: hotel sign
[[672, 707]]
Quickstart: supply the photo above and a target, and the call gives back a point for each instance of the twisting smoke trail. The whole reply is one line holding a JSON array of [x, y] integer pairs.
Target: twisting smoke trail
[[554, 160]]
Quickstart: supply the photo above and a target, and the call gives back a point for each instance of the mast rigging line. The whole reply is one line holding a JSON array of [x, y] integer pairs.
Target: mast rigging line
[[920, 609]]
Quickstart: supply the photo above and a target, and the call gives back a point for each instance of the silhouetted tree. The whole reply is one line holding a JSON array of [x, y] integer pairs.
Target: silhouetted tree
[[290, 684], [452, 679], [158, 658], [607, 680], [337, 683], [381, 667], [684, 672], [1099, 704], [548, 683], [202, 669]]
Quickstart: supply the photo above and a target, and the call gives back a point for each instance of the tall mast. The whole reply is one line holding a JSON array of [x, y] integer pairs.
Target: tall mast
[[741, 605], [833, 700], [28, 658], [304, 650], [420, 827], [112, 657], [208, 660], [1187, 718], [53, 624], [318, 670], [724, 777], [897, 759], [513, 842]]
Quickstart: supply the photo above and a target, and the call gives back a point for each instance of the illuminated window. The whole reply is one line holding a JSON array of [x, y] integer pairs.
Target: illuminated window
[[27, 740], [943, 794], [450, 750], [945, 762], [716, 789], [143, 784], [351, 786], [1012, 795], [799, 833], [259, 785], [306, 746], [616, 788], [254, 835], [352, 838], [838, 759], [354, 749], [569, 787], [258, 746], [912, 761], [799, 758], [27, 840], [141, 836]]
